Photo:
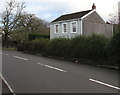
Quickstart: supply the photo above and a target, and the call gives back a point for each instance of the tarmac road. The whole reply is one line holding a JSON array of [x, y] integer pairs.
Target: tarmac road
[[27, 73]]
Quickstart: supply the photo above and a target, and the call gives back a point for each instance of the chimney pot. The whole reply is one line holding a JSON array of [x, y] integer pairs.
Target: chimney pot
[[93, 7]]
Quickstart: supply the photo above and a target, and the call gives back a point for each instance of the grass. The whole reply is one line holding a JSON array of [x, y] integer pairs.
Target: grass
[[12, 48]]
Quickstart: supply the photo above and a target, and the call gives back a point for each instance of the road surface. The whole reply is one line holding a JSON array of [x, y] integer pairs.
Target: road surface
[[27, 73]]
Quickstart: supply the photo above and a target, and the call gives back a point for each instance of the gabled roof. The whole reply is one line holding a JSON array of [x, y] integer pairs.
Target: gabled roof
[[72, 16]]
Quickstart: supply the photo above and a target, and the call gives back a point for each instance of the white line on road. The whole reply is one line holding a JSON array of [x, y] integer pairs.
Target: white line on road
[[55, 68], [108, 85], [20, 58], [9, 87], [40, 64], [48, 66]]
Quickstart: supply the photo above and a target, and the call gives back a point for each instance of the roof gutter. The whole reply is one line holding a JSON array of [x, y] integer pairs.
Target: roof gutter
[[66, 20]]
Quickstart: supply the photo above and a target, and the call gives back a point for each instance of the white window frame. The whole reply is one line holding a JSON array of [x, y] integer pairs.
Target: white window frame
[[72, 26], [63, 28], [55, 28]]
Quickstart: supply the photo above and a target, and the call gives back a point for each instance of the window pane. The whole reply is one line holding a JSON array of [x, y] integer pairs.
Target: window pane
[[56, 28], [64, 28], [74, 27]]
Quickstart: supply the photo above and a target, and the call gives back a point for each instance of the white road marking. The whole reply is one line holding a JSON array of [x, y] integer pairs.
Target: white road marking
[[48, 66], [40, 64], [108, 85], [9, 87], [20, 58], [55, 68]]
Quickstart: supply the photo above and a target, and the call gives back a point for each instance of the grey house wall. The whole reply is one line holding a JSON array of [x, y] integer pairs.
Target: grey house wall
[[95, 24], [68, 34]]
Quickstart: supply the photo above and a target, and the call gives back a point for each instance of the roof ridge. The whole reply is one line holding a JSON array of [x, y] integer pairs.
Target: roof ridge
[[78, 12]]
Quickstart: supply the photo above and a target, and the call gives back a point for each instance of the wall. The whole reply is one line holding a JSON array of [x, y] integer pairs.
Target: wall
[[68, 34], [95, 24], [94, 17], [109, 30]]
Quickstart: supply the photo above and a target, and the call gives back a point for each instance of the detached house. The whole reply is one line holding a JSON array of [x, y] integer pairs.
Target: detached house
[[80, 23]]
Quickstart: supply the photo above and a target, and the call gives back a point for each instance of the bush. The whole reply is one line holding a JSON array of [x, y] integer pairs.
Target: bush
[[39, 45], [33, 36], [92, 47], [96, 46], [114, 47], [58, 47], [77, 48]]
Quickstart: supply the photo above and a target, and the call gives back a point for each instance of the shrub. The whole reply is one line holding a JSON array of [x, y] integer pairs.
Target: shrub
[[33, 36], [28, 46], [39, 45], [77, 47], [92, 47], [96, 46], [58, 47], [114, 47]]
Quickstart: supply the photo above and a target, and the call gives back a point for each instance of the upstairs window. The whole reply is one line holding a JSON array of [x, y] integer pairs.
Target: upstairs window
[[73, 27], [64, 27]]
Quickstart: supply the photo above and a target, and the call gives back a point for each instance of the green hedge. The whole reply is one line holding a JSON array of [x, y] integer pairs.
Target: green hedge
[[33, 36], [94, 47], [37, 45], [58, 47], [114, 47]]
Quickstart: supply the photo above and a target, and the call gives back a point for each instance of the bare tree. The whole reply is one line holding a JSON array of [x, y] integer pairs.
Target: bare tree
[[32, 24], [29, 23], [113, 17], [10, 17]]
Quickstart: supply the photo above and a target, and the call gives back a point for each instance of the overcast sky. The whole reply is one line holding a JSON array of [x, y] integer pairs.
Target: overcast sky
[[51, 9]]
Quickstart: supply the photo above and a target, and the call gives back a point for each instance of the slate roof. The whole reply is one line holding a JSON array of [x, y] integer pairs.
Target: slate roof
[[72, 16]]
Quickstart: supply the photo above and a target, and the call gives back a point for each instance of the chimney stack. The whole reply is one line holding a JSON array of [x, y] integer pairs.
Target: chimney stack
[[93, 7]]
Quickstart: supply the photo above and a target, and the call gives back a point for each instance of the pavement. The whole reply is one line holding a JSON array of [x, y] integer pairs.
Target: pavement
[[27, 73]]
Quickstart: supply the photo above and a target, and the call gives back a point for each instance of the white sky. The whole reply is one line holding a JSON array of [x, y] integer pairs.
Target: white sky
[[51, 9]]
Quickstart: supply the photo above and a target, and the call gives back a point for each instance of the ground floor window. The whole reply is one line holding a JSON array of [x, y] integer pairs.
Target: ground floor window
[[64, 28], [73, 27], [56, 28]]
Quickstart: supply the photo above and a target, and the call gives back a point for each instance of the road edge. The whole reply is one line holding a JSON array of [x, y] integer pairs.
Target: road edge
[[9, 87]]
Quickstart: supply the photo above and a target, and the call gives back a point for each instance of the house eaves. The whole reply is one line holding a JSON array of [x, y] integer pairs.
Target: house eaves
[[67, 20]]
